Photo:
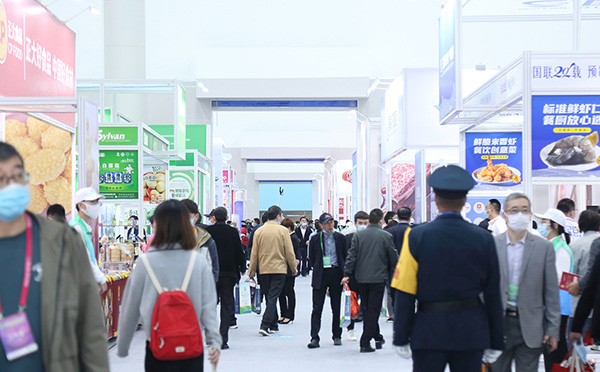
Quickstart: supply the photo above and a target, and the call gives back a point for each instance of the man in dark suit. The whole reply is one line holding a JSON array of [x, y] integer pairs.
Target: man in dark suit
[[399, 230], [328, 251], [445, 265], [303, 233]]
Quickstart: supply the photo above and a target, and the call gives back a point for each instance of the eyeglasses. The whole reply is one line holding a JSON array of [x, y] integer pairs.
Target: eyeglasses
[[517, 210], [20, 178]]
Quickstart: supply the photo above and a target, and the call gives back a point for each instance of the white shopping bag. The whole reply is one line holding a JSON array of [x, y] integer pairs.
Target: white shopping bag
[[245, 299], [346, 307]]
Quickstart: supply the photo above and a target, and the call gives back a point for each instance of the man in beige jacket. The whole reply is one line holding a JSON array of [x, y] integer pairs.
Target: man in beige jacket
[[272, 254], [63, 305]]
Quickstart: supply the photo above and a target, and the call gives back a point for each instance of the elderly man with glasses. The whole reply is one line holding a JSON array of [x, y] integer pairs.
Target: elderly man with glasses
[[47, 288]]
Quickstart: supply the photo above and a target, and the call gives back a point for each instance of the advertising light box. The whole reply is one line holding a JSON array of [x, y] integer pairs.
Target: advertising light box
[[494, 160], [119, 174], [564, 135]]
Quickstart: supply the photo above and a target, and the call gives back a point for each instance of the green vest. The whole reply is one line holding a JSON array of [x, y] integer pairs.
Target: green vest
[[87, 236]]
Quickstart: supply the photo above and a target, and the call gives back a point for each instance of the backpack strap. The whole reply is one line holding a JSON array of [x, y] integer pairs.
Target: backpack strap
[[151, 274], [188, 273]]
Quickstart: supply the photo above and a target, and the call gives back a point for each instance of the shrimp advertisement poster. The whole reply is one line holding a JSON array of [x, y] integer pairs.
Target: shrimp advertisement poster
[[564, 136], [494, 159]]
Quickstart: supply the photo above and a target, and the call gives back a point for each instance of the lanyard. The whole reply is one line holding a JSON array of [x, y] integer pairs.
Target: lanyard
[[28, 264], [323, 244]]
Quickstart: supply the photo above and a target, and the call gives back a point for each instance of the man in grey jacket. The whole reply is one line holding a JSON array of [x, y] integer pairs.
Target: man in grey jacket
[[529, 288], [371, 260]]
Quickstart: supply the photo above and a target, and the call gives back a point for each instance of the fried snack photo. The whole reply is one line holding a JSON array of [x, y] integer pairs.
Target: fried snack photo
[[14, 129], [37, 202], [24, 145], [58, 191], [56, 138], [494, 173], [46, 165], [35, 128]]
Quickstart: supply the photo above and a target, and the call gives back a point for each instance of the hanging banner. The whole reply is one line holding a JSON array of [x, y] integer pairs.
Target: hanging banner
[[88, 144], [449, 54], [181, 185], [119, 174], [37, 52], [118, 136], [154, 184], [564, 135], [494, 160]]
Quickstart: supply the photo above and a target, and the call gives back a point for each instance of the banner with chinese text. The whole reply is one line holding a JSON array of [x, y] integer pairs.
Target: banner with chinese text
[[495, 159], [119, 174]]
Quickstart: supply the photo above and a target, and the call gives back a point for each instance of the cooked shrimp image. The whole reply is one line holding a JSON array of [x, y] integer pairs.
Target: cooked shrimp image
[[494, 173], [574, 150]]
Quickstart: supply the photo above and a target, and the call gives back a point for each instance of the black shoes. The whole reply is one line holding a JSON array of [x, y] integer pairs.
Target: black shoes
[[224, 346], [264, 332], [379, 344], [314, 343], [366, 349], [337, 341]]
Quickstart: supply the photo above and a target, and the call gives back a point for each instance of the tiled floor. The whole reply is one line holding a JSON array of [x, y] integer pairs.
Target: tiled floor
[[287, 351]]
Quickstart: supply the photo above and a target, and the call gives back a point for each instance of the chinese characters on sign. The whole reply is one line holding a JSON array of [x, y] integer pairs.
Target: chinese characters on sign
[[118, 174], [564, 135], [494, 159]]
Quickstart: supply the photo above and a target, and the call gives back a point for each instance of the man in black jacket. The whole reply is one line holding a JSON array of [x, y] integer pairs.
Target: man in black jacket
[[327, 254], [231, 263], [303, 233], [399, 230], [371, 260]]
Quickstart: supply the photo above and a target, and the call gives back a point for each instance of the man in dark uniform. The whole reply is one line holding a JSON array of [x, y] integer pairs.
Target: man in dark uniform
[[445, 265]]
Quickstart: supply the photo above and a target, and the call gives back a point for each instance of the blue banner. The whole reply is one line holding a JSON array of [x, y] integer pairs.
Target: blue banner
[[564, 136], [448, 52], [494, 160]]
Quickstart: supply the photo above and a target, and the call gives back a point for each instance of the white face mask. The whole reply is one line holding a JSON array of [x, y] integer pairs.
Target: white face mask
[[92, 211], [519, 222], [193, 221]]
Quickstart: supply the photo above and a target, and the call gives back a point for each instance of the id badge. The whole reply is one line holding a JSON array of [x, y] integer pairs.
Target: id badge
[[513, 291], [326, 262], [17, 337]]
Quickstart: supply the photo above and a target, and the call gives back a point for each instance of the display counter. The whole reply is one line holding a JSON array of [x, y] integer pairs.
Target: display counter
[[111, 301]]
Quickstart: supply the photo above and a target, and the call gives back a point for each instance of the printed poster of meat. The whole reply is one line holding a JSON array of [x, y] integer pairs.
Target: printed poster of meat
[[564, 136], [46, 151], [403, 186]]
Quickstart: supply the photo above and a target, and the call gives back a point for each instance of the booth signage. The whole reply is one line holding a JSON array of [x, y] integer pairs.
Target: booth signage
[[119, 174], [449, 25], [181, 123], [152, 143], [37, 52], [564, 72], [118, 136], [564, 136], [494, 159], [181, 185], [347, 176]]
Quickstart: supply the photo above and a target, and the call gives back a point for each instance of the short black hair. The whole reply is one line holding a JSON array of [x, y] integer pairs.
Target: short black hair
[[257, 220], [495, 204], [303, 218], [134, 217], [375, 216], [589, 221], [57, 212], [273, 212], [220, 214], [389, 216], [8, 151], [361, 215], [404, 213], [565, 205], [191, 206], [264, 218]]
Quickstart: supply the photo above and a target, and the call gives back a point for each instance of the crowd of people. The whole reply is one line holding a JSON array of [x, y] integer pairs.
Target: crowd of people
[[458, 293]]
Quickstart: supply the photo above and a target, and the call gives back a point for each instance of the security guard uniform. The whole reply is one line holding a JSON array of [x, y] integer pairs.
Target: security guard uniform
[[449, 266]]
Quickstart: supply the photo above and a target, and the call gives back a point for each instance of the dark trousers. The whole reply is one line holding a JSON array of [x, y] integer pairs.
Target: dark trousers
[[225, 291], [151, 364], [561, 351], [331, 279], [287, 299], [271, 285], [303, 265], [436, 360], [371, 297]]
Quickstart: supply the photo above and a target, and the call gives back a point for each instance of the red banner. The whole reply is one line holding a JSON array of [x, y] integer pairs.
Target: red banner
[[37, 52]]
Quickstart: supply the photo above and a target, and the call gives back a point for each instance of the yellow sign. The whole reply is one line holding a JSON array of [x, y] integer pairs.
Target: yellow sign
[[572, 130], [494, 157]]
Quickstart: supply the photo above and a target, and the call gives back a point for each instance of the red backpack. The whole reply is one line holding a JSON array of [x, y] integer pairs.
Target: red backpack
[[175, 332]]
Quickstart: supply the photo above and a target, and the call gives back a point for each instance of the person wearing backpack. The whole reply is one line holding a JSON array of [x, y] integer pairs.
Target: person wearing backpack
[[186, 302]]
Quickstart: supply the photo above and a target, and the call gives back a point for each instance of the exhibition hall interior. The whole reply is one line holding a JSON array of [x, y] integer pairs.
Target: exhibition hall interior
[[321, 108]]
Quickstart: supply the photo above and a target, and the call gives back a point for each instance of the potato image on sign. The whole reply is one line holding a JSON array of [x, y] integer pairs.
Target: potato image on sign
[[574, 150]]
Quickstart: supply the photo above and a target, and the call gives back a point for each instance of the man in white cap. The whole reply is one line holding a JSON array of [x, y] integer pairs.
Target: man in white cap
[[88, 206]]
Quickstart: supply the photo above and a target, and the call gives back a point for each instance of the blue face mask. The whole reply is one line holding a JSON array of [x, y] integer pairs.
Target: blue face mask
[[327, 233], [360, 227], [14, 199], [543, 229]]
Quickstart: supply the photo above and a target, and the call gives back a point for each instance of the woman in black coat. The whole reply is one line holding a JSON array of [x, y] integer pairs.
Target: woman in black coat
[[287, 299], [590, 298]]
